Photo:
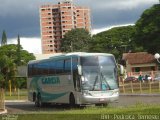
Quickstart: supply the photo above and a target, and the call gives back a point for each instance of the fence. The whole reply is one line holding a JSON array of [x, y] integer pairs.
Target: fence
[[147, 87], [2, 102]]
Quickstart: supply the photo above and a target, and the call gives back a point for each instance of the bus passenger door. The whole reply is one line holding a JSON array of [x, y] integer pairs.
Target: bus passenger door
[[76, 81]]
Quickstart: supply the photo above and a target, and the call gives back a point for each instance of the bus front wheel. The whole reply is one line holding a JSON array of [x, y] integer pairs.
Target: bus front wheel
[[71, 100]]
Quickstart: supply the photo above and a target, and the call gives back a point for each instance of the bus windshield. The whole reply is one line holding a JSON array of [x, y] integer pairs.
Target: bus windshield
[[99, 73]]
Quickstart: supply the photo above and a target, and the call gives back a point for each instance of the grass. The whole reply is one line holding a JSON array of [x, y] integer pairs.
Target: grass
[[97, 113], [18, 95]]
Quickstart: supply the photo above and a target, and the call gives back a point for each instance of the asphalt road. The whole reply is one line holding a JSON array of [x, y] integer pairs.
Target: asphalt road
[[28, 107]]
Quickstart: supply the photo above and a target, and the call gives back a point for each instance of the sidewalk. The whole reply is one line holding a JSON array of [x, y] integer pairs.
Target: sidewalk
[[4, 111], [16, 101]]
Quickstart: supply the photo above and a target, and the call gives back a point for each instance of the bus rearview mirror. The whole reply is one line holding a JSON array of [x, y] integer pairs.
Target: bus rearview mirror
[[121, 69], [79, 70]]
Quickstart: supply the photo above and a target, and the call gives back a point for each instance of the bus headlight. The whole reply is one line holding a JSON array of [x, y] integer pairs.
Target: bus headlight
[[86, 93], [115, 93]]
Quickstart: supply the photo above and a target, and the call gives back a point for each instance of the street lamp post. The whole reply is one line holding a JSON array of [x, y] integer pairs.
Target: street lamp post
[[157, 56]]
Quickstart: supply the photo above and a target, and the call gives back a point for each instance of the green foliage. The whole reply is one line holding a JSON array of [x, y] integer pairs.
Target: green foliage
[[147, 32], [26, 57], [9, 63], [11, 52], [4, 38], [116, 41], [76, 40], [21, 83]]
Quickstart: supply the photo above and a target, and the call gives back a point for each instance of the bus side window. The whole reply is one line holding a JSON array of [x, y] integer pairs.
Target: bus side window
[[51, 68], [30, 70], [34, 69], [59, 66], [44, 67], [67, 66]]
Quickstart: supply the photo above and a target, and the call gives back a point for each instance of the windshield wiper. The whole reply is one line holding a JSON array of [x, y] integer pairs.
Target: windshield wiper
[[95, 82], [102, 76]]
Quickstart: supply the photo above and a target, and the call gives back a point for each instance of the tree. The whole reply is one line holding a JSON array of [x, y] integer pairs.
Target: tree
[[8, 61], [76, 40], [6, 68], [18, 51], [4, 38], [116, 41], [147, 32]]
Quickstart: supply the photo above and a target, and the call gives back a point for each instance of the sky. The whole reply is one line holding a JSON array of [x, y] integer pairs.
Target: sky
[[22, 17]]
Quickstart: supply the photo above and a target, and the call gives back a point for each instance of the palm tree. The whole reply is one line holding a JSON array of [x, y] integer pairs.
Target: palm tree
[[8, 68]]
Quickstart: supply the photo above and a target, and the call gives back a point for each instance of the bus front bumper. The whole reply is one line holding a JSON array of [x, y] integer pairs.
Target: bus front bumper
[[88, 99]]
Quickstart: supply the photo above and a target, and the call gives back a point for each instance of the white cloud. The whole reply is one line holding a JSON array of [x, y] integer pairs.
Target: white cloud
[[95, 31], [32, 45], [127, 4]]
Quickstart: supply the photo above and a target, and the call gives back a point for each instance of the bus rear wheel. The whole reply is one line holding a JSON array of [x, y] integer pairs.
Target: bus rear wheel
[[71, 100], [38, 102]]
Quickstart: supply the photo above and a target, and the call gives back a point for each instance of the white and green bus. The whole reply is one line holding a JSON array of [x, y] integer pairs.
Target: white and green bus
[[73, 78]]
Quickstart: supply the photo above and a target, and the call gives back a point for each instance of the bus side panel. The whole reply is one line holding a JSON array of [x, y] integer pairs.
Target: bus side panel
[[52, 88]]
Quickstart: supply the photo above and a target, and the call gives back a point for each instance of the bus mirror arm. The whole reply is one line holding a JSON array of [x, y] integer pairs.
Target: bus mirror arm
[[79, 70]]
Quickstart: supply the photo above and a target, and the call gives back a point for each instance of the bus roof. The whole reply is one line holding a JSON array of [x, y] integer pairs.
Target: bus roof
[[65, 55]]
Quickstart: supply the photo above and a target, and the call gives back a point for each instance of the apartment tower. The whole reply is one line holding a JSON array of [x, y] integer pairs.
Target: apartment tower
[[56, 20]]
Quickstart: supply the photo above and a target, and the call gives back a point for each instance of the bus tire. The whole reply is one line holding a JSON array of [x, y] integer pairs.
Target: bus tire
[[72, 100], [38, 102]]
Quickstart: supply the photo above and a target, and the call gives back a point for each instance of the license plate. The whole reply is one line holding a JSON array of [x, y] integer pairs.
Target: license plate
[[101, 99]]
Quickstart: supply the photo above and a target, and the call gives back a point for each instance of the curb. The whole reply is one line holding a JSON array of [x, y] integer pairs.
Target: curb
[[16, 101], [3, 112], [155, 95]]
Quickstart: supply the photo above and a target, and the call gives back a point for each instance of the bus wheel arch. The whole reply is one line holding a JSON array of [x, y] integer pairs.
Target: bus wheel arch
[[72, 100]]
